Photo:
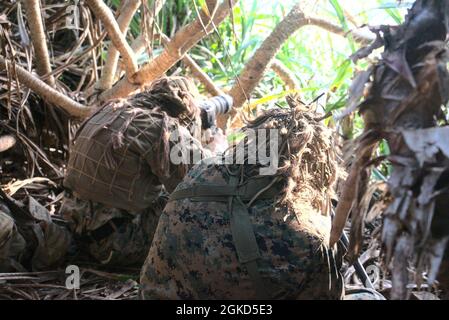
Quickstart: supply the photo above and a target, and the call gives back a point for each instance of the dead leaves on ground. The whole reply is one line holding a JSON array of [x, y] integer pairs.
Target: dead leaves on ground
[[97, 285]]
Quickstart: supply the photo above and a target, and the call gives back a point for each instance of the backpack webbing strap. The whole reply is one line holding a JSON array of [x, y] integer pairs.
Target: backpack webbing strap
[[221, 193], [245, 240], [240, 223]]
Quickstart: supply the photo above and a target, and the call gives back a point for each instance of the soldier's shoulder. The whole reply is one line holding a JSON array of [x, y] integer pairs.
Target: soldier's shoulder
[[203, 173], [152, 117]]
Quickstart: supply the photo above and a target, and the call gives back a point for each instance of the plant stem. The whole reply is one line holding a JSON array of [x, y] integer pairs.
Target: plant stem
[[45, 91], [110, 67], [103, 13], [34, 17]]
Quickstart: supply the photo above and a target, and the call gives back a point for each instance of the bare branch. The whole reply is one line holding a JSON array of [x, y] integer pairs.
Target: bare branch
[[42, 59], [201, 76], [326, 25], [45, 91], [197, 71], [255, 68], [107, 76], [140, 43], [183, 40], [102, 11], [286, 76]]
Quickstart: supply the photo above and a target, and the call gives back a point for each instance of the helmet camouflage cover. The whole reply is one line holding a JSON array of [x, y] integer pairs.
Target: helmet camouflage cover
[[120, 155], [177, 96], [119, 165], [228, 233]]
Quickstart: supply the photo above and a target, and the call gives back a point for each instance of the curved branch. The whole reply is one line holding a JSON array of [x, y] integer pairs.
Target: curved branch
[[103, 13], [286, 76], [257, 65], [183, 40], [255, 68], [326, 25], [107, 76], [37, 33], [201, 76], [45, 91], [195, 69], [140, 43]]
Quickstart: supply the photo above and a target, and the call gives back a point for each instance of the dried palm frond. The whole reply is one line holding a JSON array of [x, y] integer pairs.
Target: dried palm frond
[[403, 106]]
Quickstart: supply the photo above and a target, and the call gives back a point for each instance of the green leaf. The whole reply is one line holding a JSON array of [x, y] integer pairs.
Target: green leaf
[[344, 24], [276, 96], [341, 102], [344, 71], [391, 10]]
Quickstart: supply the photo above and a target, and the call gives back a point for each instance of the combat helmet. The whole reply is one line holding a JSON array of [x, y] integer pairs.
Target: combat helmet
[[176, 96]]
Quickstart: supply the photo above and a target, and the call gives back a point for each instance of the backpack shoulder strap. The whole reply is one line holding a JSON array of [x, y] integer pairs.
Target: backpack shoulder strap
[[245, 240]]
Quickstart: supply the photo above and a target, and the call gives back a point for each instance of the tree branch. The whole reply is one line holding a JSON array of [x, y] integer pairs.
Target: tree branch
[[45, 91], [42, 59], [139, 44], [201, 76], [195, 69], [326, 25], [257, 65], [255, 68], [286, 76], [183, 40], [103, 13], [107, 76]]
